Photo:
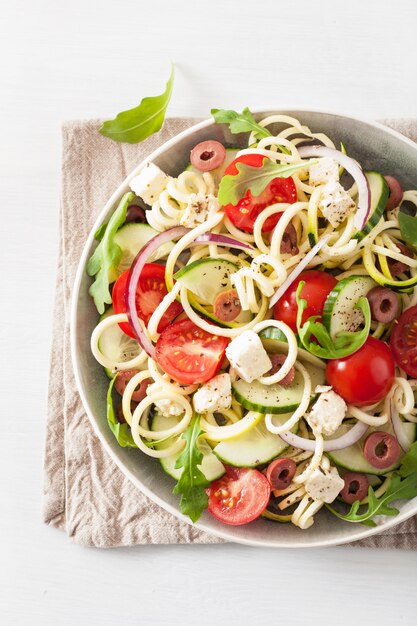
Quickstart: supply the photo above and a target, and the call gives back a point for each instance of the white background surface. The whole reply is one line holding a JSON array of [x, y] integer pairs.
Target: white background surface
[[63, 60]]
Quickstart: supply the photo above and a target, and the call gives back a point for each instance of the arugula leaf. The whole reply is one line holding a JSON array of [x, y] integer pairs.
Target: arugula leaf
[[137, 124], [233, 188], [398, 489], [240, 122], [192, 482], [343, 344], [409, 461], [408, 227], [107, 256], [120, 431]]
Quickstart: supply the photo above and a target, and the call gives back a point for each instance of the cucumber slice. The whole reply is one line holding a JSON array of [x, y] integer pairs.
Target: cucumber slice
[[116, 345], [339, 313], [211, 467], [274, 341], [352, 458], [131, 238], [276, 398], [373, 480], [206, 278], [379, 196], [255, 447], [218, 172], [272, 337]]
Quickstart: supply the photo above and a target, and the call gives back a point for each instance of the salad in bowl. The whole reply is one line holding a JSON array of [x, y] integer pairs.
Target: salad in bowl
[[257, 322]]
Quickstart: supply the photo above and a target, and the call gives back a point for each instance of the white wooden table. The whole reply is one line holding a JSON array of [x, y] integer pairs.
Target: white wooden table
[[83, 58]]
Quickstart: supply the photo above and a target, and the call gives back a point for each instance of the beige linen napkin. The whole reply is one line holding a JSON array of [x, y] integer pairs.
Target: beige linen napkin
[[84, 492]]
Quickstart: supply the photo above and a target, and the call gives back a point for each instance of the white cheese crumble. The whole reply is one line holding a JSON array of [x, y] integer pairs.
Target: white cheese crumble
[[327, 413], [167, 408], [150, 183], [214, 395], [248, 356], [324, 485], [200, 207], [322, 388], [335, 203], [324, 171]]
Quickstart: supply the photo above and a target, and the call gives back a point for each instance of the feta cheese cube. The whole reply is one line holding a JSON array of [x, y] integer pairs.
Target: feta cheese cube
[[200, 207], [324, 171], [214, 395], [327, 413], [324, 485], [322, 388], [167, 408], [248, 356], [150, 183], [335, 203]]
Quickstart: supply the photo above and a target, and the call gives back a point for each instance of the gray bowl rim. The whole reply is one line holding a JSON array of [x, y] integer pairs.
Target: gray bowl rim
[[227, 533]]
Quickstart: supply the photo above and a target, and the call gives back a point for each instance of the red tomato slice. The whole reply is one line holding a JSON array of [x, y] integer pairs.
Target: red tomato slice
[[244, 214], [188, 353], [150, 292], [240, 496], [403, 341], [364, 377], [317, 287]]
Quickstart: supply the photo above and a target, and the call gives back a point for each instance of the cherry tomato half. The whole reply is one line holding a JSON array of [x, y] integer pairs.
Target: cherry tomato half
[[188, 353], [245, 212], [150, 292], [317, 287], [403, 341], [364, 377], [240, 496]]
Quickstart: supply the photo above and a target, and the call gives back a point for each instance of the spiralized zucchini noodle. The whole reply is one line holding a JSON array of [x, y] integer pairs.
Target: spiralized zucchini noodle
[[259, 263]]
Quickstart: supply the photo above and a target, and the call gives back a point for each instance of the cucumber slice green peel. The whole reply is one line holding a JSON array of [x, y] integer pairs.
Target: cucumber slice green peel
[[131, 238], [254, 447], [205, 279], [344, 344], [379, 197], [274, 341], [340, 312], [352, 458], [277, 399]]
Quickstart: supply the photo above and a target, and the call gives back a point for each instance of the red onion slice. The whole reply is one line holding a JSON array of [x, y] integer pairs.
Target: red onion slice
[[398, 428], [344, 441], [134, 275], [297, 271], [364, 193], [223, 240]]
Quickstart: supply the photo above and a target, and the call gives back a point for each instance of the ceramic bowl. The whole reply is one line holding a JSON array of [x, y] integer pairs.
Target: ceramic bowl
[[375, 147]]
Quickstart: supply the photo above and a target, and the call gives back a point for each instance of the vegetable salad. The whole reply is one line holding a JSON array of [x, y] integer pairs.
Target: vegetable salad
[[259, 327]]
